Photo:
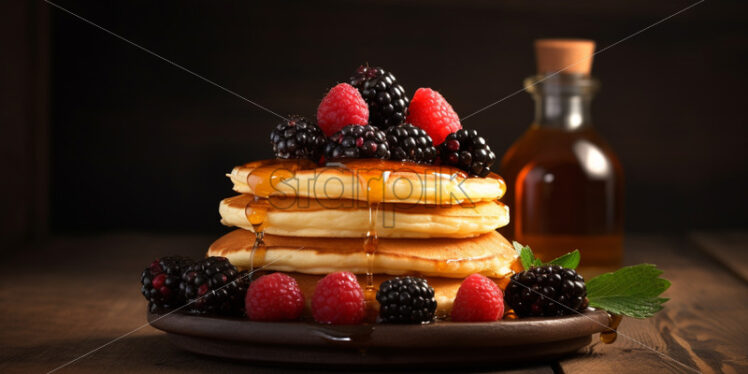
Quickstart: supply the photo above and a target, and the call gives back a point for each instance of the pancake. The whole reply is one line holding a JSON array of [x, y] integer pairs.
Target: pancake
[[365, 180], [350, 219], [488, 254], [445, 289]]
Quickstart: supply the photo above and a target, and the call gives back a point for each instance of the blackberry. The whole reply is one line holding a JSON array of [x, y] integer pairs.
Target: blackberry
[[388, 105], [406, 300], [356, 141], [214, 286], [467, 151], [540, 290], [160, 283], [410, 143], [297, 138]]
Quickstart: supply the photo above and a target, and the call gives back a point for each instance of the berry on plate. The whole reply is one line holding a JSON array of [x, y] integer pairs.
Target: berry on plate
[[468, 151], [338, 299], [387, 102], [355, 141], [297, 138], [274, 297], [479, 299], [342, 106], [410, 143], [160, 282], [406, 300], [549, 290], [213, 285], [430, 111]]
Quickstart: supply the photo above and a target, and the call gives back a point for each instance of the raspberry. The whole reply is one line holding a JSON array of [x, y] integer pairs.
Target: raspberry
[[338, 299], [479, 299], [430, 111], [274, 297], [342, 106]]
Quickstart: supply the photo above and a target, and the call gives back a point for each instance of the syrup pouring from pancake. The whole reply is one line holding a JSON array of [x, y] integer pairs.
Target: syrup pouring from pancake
[[374, 197], [264, 180], [371, 182]]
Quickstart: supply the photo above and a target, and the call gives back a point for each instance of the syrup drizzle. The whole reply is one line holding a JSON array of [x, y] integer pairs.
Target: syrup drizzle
[[372, 181], [609, 336], [266, 175], [509, 314], [264, 178], [371, 242]]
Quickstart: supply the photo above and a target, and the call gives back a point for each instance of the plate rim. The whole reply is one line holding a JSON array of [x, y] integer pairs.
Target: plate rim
[[517, 332]]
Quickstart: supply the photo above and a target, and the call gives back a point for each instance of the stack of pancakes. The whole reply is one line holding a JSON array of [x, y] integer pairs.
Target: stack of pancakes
[[375, 218]]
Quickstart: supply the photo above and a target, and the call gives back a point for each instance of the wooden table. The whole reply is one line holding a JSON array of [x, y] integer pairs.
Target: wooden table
[[71, 295]]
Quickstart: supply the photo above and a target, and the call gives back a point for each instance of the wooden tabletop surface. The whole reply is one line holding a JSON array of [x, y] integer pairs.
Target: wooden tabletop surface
[[76, 300]]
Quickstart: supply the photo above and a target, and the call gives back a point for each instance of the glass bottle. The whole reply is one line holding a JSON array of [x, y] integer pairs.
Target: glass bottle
[[565, 183]]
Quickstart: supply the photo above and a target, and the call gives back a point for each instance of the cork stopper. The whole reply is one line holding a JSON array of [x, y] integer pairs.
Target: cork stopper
[[570, 56]]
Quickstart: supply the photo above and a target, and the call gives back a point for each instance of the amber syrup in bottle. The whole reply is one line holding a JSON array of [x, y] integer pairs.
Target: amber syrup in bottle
[[564, 182]]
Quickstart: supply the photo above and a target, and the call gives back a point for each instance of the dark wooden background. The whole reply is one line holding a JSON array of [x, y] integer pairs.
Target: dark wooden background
[[98, 135]]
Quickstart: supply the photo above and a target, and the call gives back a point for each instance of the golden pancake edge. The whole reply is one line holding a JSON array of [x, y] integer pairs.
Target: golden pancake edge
[[489, 254], [366, 180], [351, 219]]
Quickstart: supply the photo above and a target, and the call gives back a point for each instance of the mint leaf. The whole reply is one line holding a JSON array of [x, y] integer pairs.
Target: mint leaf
[[569, 260], [517, 247], [526, 256], [631, 291]]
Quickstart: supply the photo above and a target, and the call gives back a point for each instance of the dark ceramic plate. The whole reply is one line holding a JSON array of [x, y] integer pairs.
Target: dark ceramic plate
[[382, 344]]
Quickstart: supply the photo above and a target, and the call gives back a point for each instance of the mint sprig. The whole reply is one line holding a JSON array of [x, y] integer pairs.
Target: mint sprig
[[569, 260], [632, 291], [526, 256]]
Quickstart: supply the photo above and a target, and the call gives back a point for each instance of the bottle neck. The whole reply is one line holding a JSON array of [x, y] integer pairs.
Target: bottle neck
[[562, 101]]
